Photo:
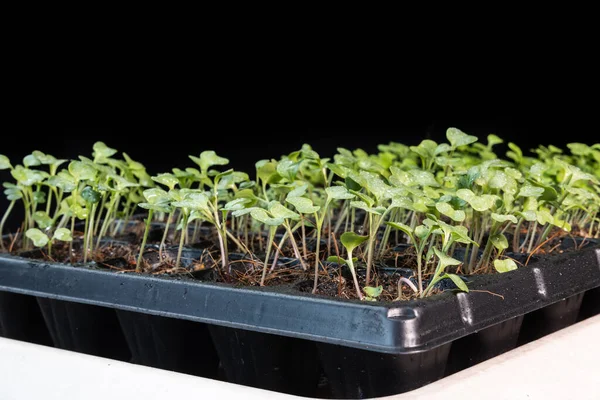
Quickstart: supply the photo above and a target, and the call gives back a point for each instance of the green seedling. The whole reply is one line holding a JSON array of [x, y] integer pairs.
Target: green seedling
[[372, 293], [443, 263], [351, 241], [156, 200], [40, 239]]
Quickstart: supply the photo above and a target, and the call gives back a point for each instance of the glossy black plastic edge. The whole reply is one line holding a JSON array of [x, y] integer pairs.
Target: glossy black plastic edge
[[401, 327]]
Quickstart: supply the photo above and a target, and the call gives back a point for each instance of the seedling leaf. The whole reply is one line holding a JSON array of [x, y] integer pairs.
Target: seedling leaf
[[373, 292], [303, 205], [63, 234], [458, 138], [351, 240], [505, 265], [460, 284], [38, 237]]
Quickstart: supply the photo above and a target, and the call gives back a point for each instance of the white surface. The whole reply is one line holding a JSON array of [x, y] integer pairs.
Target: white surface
[[564, 365]]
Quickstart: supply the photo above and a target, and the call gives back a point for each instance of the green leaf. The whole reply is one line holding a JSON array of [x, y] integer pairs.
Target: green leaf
[[4, 162], [298, 191], [504, 217], [288, 169], [39, 197], [122, 183], [579, 149], [79, 211], [458, 138], [493, 140], [564, 225], [303, 205], [364, 206], [446, 209], [246, 194], [498, 180], [528, 215], [402, 202], [365, 199], [339, 170], [243, 211], [461, 234], [38, 237], [266, 171], [90, 195], [64, 181], [421, 231], [102, 151], [423, 178], [460, 284], [12, 191], [132, 164], [31, 161], [338, 193], [63, 234], [208, 159], [505, 265], [516, 151], [374, 184], [336, 259], [530, 191], [549, 193], [445, 260], [169, 180], [431, 193], [309, 153], [192, 201], [466, 181], [237, 204], [373, 292], [351, 184], [351, 240], [499, 241], [157, 196], [404, 228], [544, 216], [279, 211], [425, 149], [442, 148], [262, 216], [26, 176], [47, 159], [82, 171], [42, 219], [577, 174], [513, 173], [479, 203]]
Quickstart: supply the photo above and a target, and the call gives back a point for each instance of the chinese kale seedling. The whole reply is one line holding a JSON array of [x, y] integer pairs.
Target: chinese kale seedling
[[458, 206]]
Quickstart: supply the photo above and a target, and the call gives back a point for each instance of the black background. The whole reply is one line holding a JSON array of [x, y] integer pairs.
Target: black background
[[246, 139]]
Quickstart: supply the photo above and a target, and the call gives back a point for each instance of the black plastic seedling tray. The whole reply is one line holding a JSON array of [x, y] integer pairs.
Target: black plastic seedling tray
[[282, 339]]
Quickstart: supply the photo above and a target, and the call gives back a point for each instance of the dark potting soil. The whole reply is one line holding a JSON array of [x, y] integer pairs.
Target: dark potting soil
[[201, 260]]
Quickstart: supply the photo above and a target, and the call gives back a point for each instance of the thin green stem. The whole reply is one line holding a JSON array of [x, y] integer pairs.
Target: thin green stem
[[272, 230], [164, 237], [138, 264], [181, 239], [353, 271], [4, 218], [294, 244], [317, 256], [85, 239]]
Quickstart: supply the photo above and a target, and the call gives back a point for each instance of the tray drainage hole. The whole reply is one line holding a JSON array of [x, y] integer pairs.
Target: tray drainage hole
[[401, 313]]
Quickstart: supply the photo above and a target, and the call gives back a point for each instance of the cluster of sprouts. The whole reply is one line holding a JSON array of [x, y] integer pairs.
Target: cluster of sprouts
[[437, 198]]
